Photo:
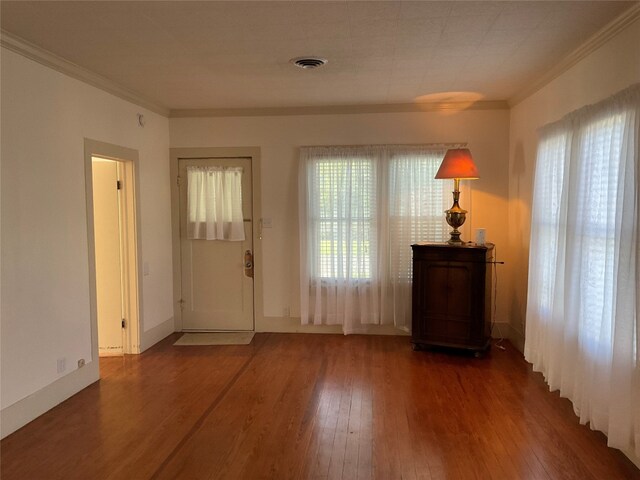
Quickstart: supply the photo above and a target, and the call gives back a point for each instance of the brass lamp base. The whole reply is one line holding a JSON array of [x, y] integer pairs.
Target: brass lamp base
[[455, 217]]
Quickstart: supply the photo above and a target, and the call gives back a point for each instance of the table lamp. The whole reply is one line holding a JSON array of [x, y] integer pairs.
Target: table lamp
[[457, 164]]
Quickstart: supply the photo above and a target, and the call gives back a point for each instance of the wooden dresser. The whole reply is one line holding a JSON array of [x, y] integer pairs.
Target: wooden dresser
[[452, 296]]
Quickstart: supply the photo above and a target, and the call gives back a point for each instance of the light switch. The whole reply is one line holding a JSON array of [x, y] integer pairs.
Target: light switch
[[266, 223], [145, 268]]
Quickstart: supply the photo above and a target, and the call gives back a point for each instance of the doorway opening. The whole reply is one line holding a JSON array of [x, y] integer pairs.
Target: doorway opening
[[113, 247]]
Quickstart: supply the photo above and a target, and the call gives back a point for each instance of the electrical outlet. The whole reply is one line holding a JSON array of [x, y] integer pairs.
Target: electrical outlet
[[62, 364], [81, 363], [286, 312]]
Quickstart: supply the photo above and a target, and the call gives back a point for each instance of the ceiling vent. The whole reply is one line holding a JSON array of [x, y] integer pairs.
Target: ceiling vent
[[308, 62]]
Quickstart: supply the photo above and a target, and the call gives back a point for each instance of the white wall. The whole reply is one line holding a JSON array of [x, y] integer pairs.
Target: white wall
[[279, 138], [45, 271], [609, 69]]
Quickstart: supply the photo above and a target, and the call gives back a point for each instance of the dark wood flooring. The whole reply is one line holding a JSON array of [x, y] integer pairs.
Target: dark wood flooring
[[295, 406]]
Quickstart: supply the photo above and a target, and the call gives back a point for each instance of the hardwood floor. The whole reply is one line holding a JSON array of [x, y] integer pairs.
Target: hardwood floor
[[295, 406]]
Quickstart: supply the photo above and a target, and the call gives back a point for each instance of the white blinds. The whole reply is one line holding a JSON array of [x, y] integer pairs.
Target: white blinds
[[342, 195], [214, 203], [417, 202], [582, 310], [361, 208]]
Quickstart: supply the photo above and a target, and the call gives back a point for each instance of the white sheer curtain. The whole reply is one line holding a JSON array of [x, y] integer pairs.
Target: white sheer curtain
[[361, 208], [417, 202], [214, 203], [584, 271]]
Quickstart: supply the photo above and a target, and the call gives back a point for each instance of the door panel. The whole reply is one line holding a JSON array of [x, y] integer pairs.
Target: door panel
[[108, 261], [216, 293]]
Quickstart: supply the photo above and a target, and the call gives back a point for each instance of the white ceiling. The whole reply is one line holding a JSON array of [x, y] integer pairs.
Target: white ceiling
[[198, 55]]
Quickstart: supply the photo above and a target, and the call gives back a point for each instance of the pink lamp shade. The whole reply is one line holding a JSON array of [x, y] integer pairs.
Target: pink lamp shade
[[458, 163]]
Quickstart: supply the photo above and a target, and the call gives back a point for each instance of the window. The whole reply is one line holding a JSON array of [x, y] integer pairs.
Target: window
[[361, 208], [584, 265], [546, 215], [344, 219], [214, 203], [416, 206], [589, 228], [597, 203]]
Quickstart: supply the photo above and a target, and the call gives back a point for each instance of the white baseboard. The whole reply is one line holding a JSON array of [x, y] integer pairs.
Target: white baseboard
[[517, 338], [506, 330], [29, 408], [24, 411], [149, 338], [110, 351], [293, 325]]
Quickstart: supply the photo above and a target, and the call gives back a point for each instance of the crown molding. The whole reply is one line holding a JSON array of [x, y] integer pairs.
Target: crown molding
[[341, 109], [51, 60], [594, 42]]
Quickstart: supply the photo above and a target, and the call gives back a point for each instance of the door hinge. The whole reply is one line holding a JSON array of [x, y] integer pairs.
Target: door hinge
[[118, 185], [181, 303], [124, 323], [178, 180]]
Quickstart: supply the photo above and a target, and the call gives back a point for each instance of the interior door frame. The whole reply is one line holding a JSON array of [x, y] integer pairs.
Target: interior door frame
[[253, 153], [132, 285]]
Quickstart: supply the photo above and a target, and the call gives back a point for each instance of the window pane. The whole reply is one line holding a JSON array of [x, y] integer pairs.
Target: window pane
[[417, 202], [545, 230], [346, 201], [600, 151]]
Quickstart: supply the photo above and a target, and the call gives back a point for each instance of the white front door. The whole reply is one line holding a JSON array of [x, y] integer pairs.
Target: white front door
[[217, 288]]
